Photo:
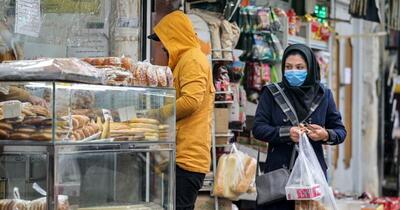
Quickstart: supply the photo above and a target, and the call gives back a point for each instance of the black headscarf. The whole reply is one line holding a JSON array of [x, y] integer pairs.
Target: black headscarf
[[302, 97]]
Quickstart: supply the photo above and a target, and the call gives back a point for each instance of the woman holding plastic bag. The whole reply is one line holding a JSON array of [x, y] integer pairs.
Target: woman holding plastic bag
[[299, 104]]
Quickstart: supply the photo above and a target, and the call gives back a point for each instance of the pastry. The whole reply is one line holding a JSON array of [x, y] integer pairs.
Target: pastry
[[98, 61], [161, 76], [34, 120], [5, 126], [26, 129], [28, 112], [47, 122], [86, 132], [20, 136], [170, 77], [151, 75], [41, 136], [145, 120], [83, 120], [119, 126], [95, 127], [143, 125], [39, 110], [150, 138], [112, 61], [4, 134], [76, 136], [90, 130], [81, 133], [126, 63], [139, 74], [163, 127], [20, 205], [75, 123]]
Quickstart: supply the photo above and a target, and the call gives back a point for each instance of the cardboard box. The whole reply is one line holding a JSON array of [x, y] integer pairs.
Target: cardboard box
[[206, 202], [221, 120]]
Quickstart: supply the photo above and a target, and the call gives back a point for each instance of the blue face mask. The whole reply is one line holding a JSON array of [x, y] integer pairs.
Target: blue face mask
[[296, 77]]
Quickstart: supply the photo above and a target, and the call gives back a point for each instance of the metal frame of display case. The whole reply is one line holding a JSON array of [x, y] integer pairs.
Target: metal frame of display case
[[52, 150]]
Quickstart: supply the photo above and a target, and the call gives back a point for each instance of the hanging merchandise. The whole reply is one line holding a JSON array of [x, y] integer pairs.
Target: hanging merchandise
[[365, 9], [214, 23], [230, 34], [274, 74], [393, 14], [263, 19], [323, 61], [261, 49], [292, 19]]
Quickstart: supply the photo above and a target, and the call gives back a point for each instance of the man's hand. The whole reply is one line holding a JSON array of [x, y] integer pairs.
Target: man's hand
[[317, 133]]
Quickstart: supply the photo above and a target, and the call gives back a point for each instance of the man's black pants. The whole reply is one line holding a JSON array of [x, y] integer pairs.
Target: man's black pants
[[188, 185]]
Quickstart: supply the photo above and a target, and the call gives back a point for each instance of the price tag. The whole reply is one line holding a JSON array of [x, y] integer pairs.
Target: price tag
[[12, 109], [127, 113], [107, 115]]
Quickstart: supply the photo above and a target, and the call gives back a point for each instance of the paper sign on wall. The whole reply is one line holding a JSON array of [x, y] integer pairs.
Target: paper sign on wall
[[27, 17], [347, 76]]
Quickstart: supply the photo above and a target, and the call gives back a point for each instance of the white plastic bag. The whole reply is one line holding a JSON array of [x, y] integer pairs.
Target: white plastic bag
[[235, 173], [307, 180]]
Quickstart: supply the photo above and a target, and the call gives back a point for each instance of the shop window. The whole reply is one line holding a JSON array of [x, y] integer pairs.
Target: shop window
[[69, 28]]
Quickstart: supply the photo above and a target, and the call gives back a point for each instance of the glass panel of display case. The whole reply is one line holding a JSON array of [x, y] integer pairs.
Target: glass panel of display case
[[25, 112], [101, 179], [85, 113]]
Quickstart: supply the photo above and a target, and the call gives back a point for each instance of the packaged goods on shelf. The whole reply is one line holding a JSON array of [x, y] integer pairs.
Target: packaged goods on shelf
[[50, 69]]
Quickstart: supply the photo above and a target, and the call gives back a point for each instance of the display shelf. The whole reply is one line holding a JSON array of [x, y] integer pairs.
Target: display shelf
[[224, 135], [223, 92], [314, 44], [221, 60], [223, 102], [319, 45], [296, 40]]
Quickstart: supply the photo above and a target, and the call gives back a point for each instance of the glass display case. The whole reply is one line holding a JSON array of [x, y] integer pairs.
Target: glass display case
[[80, 146]]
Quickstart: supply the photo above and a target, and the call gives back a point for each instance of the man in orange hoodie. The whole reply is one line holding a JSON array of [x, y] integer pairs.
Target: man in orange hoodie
[[194, 104]]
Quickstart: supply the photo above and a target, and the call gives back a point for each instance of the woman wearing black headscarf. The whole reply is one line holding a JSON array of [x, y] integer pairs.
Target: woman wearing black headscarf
[[313, 105]]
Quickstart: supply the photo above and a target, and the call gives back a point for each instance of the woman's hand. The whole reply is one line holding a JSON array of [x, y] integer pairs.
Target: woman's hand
[[295, 133], [317, 133]]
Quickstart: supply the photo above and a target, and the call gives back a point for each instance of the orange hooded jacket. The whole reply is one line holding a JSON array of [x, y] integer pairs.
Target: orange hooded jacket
[[194, 91]]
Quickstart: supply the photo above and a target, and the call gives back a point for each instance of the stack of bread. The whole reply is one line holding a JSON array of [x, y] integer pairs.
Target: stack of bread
[[235, 175], [82, 127], [136, 129], [38, 204], [34, 123], [164, 132]]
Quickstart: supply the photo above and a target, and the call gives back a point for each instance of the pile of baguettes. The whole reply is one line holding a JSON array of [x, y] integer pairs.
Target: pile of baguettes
[[139, 129]]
